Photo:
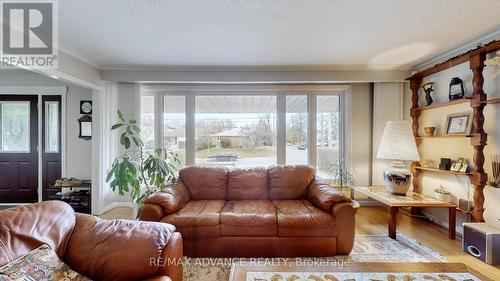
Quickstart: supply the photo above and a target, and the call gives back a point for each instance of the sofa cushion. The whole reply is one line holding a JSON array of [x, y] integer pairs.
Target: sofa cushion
[[199, 231], [299, 218], [248, 184], [248, 213], [205, 183], [289, 182], [301, 214], [255, 230], [196, 213]]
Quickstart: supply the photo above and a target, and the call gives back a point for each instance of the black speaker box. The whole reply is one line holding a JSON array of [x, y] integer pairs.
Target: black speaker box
[[482, 242]]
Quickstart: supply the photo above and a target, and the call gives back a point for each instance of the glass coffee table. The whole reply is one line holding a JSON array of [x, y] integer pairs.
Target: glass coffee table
[[411, 199]]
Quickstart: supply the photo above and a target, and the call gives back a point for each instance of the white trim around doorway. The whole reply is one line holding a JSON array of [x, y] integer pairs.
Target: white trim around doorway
[[42, 91]]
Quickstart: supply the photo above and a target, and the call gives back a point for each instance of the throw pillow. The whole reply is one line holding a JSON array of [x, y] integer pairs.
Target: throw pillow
[[41, 264]]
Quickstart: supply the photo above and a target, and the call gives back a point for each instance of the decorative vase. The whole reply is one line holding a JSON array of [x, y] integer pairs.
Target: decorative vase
[[491, 214], [429, 131], [397, 179]]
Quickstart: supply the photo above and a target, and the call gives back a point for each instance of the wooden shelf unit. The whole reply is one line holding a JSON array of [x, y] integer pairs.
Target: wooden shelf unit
[[444, 137], [493, 101], [443, 171], [478, 101], [443, 104]]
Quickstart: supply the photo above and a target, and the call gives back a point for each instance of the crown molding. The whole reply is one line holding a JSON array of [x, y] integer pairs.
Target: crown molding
[[461, 49]]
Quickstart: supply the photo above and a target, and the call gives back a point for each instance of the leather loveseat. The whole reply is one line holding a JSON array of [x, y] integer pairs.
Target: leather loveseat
[[99, 249], [280, 211]]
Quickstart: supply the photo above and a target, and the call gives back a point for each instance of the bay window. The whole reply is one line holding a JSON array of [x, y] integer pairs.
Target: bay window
[[246, 128]]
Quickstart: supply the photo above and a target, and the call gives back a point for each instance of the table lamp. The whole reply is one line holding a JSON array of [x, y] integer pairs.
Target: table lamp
[[398, 144]]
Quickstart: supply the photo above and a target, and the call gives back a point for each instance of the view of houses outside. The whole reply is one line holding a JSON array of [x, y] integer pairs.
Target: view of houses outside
[[236, 130], [240, 131]]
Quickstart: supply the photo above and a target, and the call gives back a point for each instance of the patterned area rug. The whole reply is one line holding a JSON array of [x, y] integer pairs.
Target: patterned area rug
[[367, 248]]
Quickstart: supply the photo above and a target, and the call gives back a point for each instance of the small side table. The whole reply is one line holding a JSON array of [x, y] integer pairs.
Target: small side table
[[411, 199]]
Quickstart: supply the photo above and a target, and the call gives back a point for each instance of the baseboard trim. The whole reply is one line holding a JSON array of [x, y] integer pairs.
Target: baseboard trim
[[115, 205]]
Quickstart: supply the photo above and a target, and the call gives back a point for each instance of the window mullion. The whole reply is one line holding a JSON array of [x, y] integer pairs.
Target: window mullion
[[312, 134], [281, 129], [158, 121], [190, 130]]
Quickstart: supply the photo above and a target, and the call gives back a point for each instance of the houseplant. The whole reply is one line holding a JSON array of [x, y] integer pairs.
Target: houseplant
[[139, 171], [342, 177], [442, 194]]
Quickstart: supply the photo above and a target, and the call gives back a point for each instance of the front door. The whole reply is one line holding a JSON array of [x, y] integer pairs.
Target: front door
[[18, 149]]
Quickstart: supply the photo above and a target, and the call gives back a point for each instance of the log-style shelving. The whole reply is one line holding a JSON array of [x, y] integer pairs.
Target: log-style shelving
[[443, 104], [477, 102], [493, 101], [443, 171], [444, 137]]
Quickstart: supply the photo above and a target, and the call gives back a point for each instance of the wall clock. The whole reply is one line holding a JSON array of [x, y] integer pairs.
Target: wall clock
[[86, 107]]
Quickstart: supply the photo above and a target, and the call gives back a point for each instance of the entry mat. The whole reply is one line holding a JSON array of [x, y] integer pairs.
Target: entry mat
[[360, 276]]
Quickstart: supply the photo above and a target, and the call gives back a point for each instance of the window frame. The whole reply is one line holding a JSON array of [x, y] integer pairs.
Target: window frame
[[280, 92]]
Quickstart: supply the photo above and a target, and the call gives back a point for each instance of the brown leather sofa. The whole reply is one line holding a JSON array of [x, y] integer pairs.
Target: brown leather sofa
[[99, 249], [261, 212]]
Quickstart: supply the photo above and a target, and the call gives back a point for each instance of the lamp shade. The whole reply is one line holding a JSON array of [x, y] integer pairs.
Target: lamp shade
[[398, 142]]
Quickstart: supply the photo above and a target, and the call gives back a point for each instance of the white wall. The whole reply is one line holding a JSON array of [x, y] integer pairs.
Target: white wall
[[387, 106], [78, 151], [454, 148], [360, 111]]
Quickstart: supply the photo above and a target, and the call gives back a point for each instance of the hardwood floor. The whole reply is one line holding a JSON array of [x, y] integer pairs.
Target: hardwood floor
[[373, 221]]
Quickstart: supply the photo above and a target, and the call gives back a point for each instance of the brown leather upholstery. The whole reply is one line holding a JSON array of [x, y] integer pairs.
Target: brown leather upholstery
[[266, 212], [301, 218], [323, 196], [289, 182], [248, 184], [248, 212], [95, 248], [205, 183], [54, 225], [195, 213], [248, 218]]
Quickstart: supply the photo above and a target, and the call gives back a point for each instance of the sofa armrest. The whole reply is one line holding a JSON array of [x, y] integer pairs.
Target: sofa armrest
[[119, 249], [324, 196], [344, 214], [164, 202]]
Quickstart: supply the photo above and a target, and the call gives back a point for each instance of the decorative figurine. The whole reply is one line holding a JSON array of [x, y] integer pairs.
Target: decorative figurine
[[428, 89]]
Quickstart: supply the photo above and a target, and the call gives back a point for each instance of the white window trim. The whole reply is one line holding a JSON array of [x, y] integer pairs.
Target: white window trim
[[280, 91]]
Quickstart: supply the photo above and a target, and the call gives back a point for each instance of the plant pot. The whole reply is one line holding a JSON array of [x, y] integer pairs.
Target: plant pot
[[442, 197], [491, 214]]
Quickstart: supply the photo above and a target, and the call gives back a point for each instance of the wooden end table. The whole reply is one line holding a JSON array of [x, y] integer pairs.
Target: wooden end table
[[411, 199]]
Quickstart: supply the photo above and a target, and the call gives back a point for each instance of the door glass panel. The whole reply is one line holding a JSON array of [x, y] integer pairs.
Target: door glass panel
[[328, 132], [296, 129], [51, 127], [236, 130], [15, 126], [174, 126]]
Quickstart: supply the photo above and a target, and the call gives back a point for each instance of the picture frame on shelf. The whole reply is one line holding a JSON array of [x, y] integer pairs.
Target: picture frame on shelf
[[456, 167], [458, 124]]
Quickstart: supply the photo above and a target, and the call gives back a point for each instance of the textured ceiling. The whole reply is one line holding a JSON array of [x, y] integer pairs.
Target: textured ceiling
[[381, 33]]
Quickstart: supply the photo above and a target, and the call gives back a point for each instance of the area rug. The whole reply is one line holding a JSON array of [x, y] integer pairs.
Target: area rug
[[367, 248]]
